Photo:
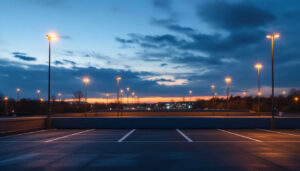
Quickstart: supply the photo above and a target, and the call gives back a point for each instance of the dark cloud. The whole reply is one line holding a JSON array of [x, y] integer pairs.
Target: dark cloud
[[23, 56], [58, 63], [170, 24], [234, 16], [69, 62], [163, 64]]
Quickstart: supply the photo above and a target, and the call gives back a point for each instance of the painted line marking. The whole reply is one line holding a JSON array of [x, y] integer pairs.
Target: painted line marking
[[25, 133], [126, 135], [54, 139], [239, 135], [279, 132], [185, 136]]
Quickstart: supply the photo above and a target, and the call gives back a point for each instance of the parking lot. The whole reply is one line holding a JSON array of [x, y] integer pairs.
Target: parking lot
[[152, 149]]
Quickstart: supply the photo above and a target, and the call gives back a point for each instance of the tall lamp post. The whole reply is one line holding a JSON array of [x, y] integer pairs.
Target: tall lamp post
[[272, 37], [258, 67], [38, 93], [296, 99], [190, 93], [107, 96], [127, 90], [213, 92], [228, 81], [18, 94], [51, 36], [118, 78], [121, 92], [85, 80], [6, 105], [133, 94]]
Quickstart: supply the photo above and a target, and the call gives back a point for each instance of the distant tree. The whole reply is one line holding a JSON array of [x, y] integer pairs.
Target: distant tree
[[78, 96]]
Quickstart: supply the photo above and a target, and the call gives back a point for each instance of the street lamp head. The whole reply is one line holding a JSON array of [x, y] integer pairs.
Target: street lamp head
[[296, 99], [107, 95], [190, 92], [118, 78], [273, 36], [227, 80], [59, 94], [38, 91], [244, 93], [258, 66], [127, 89], [259, 93], [18, 90], [213, 86], [86, 80], [283, 92], [133, 93], [121, 91], [41, 100], [5, 98], [51, 36]]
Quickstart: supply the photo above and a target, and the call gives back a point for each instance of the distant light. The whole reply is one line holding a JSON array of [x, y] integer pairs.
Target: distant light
[[41, 100], [121, 91], [227, 80], [133, 93], [118, 78], [273, 36], [5, 98], [296, 99], [190, 92], [244, 93], [107, 95], [127, 88], [213, 86], [86, 80], [258, 66], [59, 94], [283, 92], [38, 91], [18, 90], [51, 36], [259, 93]]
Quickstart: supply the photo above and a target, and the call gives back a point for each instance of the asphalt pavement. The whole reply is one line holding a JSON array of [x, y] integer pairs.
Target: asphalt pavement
[[151, 149]]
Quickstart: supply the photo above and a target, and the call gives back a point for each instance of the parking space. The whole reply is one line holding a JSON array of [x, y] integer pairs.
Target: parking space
[[146, 149]]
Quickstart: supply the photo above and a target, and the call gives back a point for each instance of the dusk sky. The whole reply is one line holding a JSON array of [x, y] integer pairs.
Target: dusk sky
[[159, 47]]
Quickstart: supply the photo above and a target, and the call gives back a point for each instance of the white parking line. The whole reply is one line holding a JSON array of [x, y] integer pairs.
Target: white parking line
[[185, 136], [47, 141], [26, 133], [126, 135], [240, 135], [279, 132]]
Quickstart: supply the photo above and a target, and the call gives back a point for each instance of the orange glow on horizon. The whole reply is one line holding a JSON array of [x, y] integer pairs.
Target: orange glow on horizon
[[146, 99]]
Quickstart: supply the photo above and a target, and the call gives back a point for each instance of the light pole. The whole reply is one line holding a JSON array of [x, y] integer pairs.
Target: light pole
[[107, 96], [190, 93], [18, 94], [296, 99], [6, 105], [59, 96], [118, 78], [272, 37], [51, 36], [228, 81], [121, 92], [132, 95], [38, 93], [258, 67], [127, 89], [86, 80]]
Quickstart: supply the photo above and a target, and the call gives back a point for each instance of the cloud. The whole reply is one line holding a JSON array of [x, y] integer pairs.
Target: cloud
[[234, 16], [58, 63], [23, 56], [163, 64], [69, 62]]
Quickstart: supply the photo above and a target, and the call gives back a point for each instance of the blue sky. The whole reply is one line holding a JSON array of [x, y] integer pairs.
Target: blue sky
[[159, 47]]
